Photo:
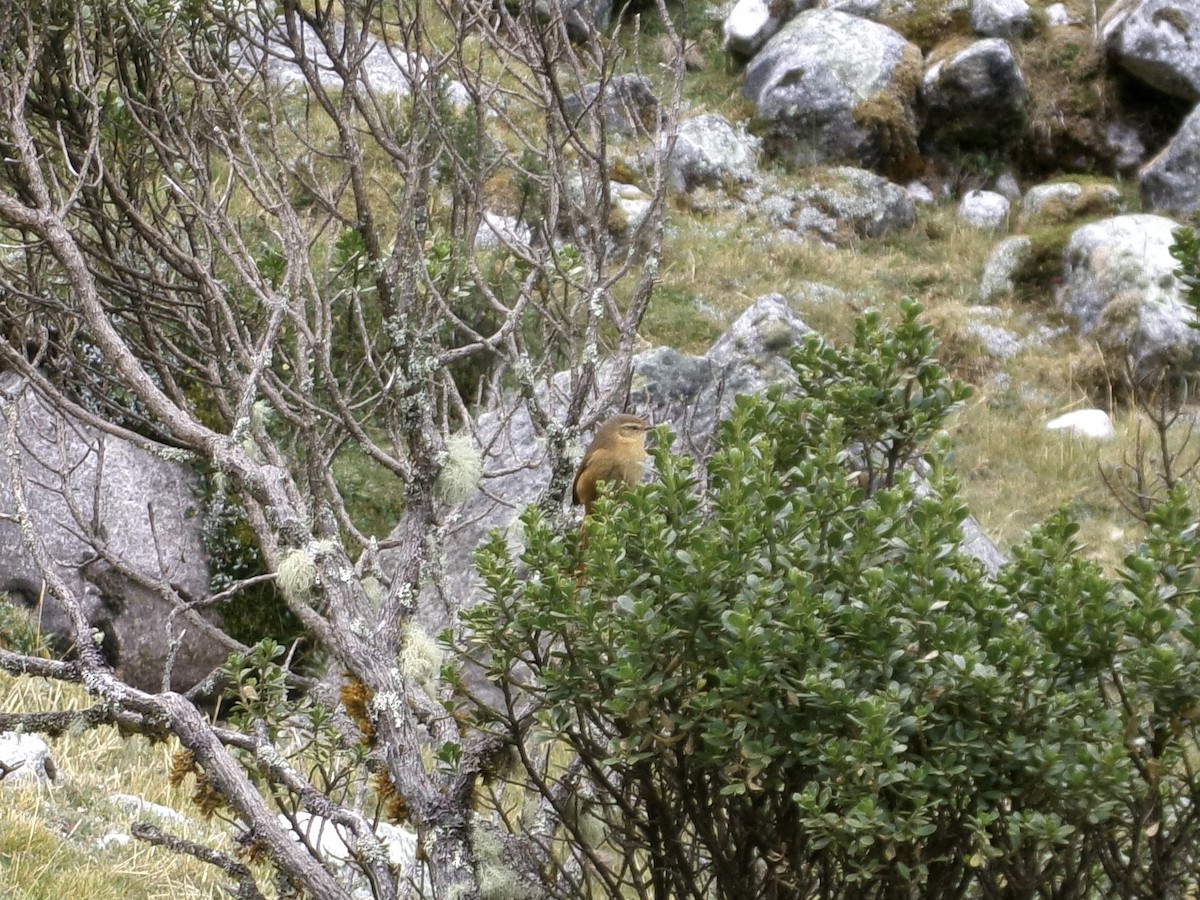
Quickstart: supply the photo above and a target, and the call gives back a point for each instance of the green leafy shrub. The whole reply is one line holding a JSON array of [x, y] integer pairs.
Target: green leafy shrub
[[776, 677]]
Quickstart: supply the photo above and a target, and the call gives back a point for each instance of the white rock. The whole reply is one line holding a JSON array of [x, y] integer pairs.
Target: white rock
[[1000, 18], [1169, 179], [709, 151], [748, 26], [1057, 15], [496, 230], [998, 279], [1119, 287], [26, 758], [983, 209], [139, 807], [919, 192], [330, 840], [1085, 423]]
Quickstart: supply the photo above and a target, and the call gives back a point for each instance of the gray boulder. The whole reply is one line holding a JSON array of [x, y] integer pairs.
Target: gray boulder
[[710, 151], [383, 70], [689, 392], [584, 18], [626, 104], [1156, 41], [1001, 18], [25, 758], [1119, 287], [976, 97], [1062, 201], [833, 88], [85, 488], [998, 279], [983, 209], [1171, 180], [843, 203], [751, 22]]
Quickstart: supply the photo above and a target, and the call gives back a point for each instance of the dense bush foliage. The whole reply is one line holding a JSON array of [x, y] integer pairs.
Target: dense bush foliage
[[778, 674]]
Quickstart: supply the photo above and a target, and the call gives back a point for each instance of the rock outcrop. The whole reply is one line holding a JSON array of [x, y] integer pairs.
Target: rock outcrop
[[830, 87], [85, 489], [1120, 288], [1171, 180]]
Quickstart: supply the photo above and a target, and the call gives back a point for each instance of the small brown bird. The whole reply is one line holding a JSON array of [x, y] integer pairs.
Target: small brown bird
[[616, 455]]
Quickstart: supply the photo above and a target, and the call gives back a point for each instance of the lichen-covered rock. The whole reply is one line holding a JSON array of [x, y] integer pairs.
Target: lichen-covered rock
[[1094, 424], [843, 203], [833, 88], [710, 151], [751, 23], [1120, 288], [583, 18], [976, 97], [25, 758], [1171, 180], [143, 509], [626, 104], [983, 209], [999, 271], [1001, 18], [1157, 41], [382, 69], [1062, 201]]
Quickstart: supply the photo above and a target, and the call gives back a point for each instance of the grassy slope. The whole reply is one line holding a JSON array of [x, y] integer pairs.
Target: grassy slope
[[50, 836], [717, 261], [1013, 472]]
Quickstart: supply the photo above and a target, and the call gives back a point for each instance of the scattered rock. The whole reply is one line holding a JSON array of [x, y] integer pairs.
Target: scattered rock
[[1006, 185], [976, 97], [1001, 18], [626, 104], [25, 758], [1057, 16], [710, 151], [1094, 424], [584, 18], [630, 207], [994, 340], [844, 203], [333, 842], [1119, 286], [999, 271], [383, 69], [1063, 201], [833, 88], [136, 806], [1156, 41], [1171, 180], [919, 192], [983, 209], [496, 230], [1123, 146], [146, 510], [751, 23]]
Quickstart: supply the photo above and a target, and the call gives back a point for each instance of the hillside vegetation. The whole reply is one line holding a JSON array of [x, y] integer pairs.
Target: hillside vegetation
[[302, 286]]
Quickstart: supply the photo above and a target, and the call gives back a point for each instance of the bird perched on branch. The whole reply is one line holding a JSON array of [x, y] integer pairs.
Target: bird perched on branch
[[616, 455]]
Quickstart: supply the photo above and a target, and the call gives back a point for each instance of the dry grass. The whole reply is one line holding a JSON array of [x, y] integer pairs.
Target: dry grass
[[51, 843], [1013, 472]]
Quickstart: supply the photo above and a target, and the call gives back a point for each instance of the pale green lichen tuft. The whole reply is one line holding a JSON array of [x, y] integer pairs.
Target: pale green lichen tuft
[[297, 574], [373, 590], [420, 657], [497, 880], [261, 413], [460, 474]]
